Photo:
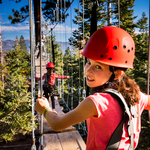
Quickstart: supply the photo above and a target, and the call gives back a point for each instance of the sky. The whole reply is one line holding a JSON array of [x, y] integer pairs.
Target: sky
[[10, 31]]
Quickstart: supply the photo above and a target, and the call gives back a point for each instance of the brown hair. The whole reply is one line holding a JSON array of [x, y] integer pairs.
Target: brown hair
[[129, 89]]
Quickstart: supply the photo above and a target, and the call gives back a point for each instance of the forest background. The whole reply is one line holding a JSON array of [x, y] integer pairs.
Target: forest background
[[15, 100]]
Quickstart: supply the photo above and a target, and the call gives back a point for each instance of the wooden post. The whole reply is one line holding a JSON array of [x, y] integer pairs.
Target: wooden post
[[148, 63], [93, 29]]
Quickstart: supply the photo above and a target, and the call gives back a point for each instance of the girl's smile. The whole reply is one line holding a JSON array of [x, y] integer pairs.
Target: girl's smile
[[96, 73]]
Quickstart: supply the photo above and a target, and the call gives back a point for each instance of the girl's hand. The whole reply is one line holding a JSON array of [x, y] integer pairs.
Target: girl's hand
[[41, 104]]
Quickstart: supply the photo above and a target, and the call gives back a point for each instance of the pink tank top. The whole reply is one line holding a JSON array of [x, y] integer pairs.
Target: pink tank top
[[110, 114]]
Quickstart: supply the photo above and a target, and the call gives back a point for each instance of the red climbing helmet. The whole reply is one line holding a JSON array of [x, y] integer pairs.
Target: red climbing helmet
[[50, 65], [112, 46]]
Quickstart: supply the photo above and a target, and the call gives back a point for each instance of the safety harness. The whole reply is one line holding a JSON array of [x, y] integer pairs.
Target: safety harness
[[46, 81], [128, 115], [46, 84]]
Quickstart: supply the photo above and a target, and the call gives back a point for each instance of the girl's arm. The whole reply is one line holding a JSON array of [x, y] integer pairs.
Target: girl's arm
[[84, 110], [38, 78], [148, 105], [61, 76]]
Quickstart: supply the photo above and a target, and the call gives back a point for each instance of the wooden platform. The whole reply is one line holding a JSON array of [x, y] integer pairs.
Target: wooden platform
[[69, 139]]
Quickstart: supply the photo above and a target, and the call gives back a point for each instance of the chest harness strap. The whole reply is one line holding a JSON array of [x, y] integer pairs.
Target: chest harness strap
[[128, 114]]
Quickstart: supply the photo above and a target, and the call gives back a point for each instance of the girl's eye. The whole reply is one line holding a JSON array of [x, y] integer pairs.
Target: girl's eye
[[88, 62], [98, 67]]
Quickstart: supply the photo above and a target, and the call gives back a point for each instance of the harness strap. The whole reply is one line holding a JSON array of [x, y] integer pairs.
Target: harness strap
[[115, 139]]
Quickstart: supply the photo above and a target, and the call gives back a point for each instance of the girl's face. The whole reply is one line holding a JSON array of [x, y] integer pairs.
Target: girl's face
[[50, 71], [96, 73]]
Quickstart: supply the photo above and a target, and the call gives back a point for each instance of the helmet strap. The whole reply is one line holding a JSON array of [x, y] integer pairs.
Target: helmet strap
[[112, 69]]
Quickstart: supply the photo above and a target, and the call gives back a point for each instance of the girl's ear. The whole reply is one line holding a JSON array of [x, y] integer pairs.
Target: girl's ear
[[118, 74]]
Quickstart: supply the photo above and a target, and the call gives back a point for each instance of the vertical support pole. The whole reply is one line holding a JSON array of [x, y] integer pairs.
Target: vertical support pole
[[148, 68], [32, 46], [108, 13], [93, 28], [41, 90], [37, 20], [37, 15], [119, 13], [52, 46], [1, 55], [94, 18]]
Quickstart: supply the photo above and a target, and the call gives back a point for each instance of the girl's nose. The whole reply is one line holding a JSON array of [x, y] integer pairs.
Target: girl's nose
[[89, 70]]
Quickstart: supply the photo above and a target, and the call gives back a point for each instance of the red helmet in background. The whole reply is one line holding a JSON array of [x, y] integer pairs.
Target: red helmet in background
[[111, 46], [50, 65]]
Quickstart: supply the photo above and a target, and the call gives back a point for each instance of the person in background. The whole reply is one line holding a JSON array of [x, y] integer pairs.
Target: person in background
[[109, 52], [49, 82]]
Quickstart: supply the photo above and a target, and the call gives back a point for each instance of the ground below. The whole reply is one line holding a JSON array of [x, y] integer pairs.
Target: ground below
[[19, 142]]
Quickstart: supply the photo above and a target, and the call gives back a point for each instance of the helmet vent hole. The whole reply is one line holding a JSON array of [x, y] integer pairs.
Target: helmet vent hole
[[115, 47], [124, 46], [101, 55], [128, 51], [110, 58], [132, 48], [126, 61]]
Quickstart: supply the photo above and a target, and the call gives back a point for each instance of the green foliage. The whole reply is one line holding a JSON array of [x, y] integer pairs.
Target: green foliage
[[18, 59], [144, 142], [23, 44], [15, 98], [48, 11], [77, 39], [126, 15], [71, 64], [15, 105]]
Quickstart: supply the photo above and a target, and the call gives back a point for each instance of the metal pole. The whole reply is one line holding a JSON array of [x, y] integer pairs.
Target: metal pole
[[32, 72], [119, 13], [41, 90], [148, 62]]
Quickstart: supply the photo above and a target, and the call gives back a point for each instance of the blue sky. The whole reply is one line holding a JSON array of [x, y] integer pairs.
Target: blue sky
[[10, 31]]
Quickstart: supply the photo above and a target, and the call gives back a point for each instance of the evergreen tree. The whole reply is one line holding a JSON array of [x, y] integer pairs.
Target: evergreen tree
[[49, 10], [22, 44], [140, 74], [18, 59], [15, 104], [77, 38], [126, 15]]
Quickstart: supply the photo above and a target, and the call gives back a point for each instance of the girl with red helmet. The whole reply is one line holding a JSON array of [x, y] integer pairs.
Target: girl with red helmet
[[49, 82], [109, 52]]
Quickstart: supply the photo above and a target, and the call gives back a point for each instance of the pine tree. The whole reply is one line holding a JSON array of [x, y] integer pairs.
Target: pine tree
[[15, 114], [49, 10], [18, 59], [77, 38], [22, 44], [140, 74], [126, 15], [15, 104]]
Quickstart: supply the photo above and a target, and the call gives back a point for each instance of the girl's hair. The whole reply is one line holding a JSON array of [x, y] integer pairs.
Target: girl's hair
[[50, 70], [129, 89], [125, 85]]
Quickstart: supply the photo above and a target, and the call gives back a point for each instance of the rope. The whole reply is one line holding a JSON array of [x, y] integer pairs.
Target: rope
[[62, 55], [84, 91], [68, 86], [71, 60]]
